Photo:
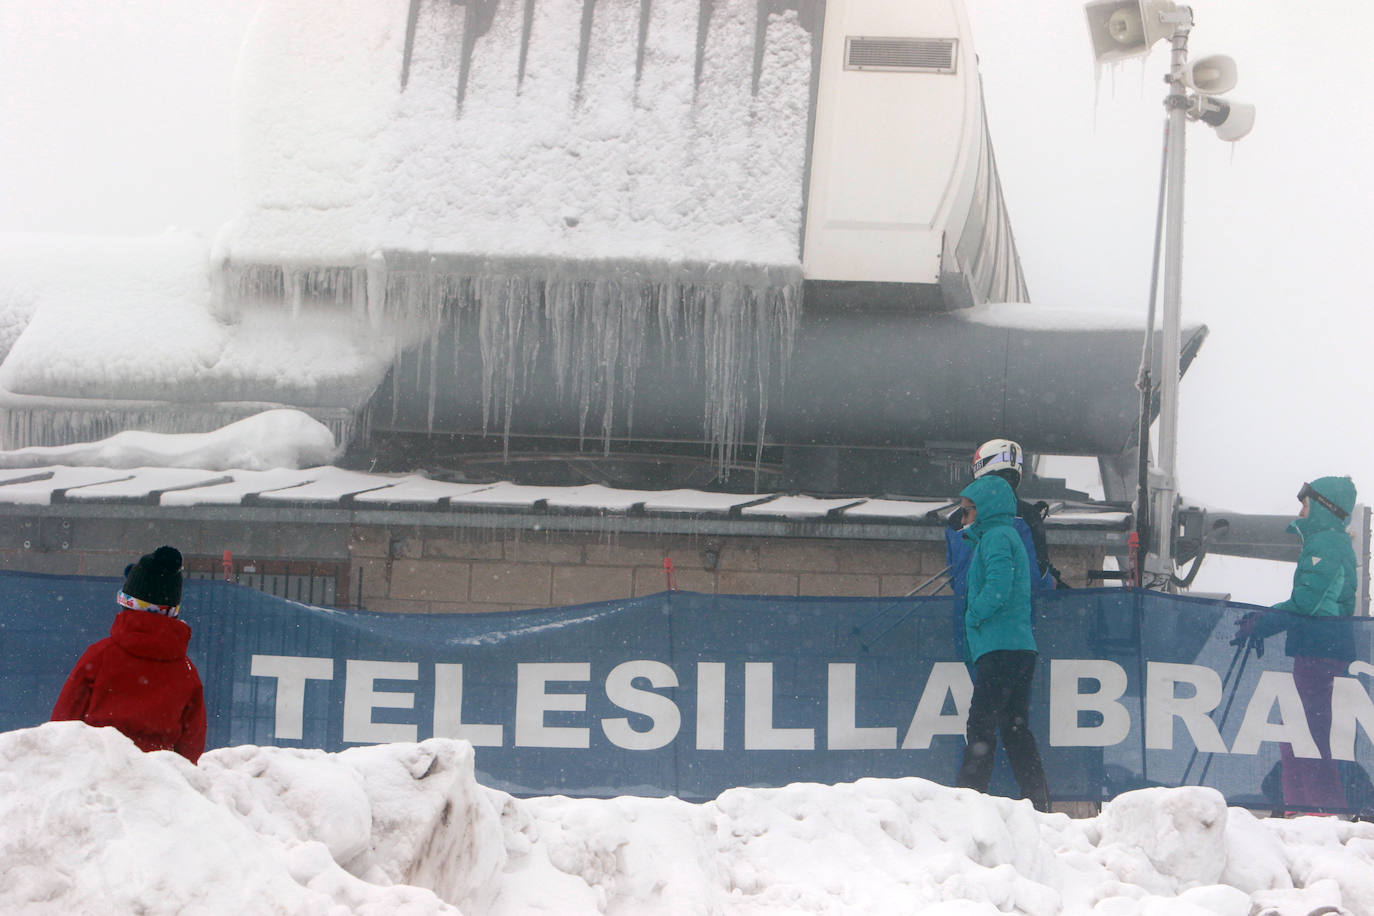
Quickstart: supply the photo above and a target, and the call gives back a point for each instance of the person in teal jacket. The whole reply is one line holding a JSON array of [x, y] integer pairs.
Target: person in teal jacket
[[1320, 640], [1000, 641]]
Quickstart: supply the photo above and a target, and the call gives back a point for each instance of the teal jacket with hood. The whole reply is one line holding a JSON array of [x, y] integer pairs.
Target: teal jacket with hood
[[1324, 582], [997, 604]]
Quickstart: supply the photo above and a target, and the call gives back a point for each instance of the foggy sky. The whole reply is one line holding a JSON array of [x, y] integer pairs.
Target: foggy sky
[[116, 121]]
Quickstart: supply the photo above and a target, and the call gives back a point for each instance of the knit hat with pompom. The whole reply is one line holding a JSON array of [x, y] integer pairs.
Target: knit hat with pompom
[[154, 582]]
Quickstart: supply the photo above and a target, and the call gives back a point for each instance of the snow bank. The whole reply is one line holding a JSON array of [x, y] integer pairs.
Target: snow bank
[[94, 825], [272, 439]]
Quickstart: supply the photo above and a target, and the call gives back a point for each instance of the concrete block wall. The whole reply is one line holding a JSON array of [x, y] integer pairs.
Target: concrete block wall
[[103, 546], [465, 570]]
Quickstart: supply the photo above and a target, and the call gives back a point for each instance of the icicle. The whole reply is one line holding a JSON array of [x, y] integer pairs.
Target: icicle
[[729, 329], [376, 288], [359, 294]]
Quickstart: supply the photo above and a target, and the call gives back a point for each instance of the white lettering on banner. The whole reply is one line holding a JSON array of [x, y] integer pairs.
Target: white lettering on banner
[[710, 706], [532, 701], [1164, 705], [448, 710], [361, 697], [1066, 676], [841, 734], [759, 733], [662, 712], [947, 679], [1350, 705], [638, 687], [1292, 725], [291, 672]]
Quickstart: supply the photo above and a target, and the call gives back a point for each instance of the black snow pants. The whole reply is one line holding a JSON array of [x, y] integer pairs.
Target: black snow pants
[[1001, 703]]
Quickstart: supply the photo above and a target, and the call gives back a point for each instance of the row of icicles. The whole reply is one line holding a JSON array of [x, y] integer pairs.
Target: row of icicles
[[733, 330]]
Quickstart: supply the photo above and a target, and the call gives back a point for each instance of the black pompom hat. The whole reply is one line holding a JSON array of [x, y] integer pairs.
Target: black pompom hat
[[154, 583]]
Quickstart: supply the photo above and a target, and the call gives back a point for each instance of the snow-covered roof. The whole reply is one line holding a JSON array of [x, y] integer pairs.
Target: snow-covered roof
[[368, 497], [381, 133], [281, 461]]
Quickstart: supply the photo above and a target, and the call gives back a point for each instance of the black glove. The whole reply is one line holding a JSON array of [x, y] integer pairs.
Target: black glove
[[1245, 632]]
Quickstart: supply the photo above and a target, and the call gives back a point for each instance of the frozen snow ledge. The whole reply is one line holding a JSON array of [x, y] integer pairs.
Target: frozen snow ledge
[[28, 422], [407, 828], [271, 439], [103, 335], [592, 322]]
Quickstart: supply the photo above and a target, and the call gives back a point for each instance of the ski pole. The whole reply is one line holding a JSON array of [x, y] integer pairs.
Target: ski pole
[[1258, 646], [894, 605], [896, 623], [1240, 650]]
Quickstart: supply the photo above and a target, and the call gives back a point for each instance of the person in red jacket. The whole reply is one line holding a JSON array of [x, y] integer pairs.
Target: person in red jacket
[[139, 679]]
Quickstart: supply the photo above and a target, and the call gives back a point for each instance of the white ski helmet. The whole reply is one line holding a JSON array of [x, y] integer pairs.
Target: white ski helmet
[[998, 455]]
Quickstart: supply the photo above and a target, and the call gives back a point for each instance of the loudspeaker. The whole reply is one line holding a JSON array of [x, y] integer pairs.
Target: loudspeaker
[[1126, 28], [1231, 120], [1211, 75]]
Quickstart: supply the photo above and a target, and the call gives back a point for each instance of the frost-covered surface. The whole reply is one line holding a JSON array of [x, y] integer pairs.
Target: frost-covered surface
[[1026, 317], [31, 264], [571, 199], [132, 319], [799, 507], [131, 311], [93, 825], [272, 439], [337, 161]]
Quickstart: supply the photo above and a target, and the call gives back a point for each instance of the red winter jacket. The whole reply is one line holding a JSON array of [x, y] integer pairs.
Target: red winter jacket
[[140, 681]]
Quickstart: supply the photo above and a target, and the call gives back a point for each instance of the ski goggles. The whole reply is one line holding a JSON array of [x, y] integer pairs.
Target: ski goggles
[[1308, 493]]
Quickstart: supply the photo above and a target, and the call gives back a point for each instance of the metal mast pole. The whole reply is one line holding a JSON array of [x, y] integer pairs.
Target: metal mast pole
[[1166, 493]]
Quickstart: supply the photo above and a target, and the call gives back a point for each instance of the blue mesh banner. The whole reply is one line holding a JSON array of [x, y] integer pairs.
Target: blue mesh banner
[[687, 694]]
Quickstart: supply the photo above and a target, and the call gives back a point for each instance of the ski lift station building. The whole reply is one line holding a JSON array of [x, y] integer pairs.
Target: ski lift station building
[[581, 288]]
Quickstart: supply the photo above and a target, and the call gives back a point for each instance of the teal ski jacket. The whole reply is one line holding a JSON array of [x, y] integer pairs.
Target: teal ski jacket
[[1324, 582], [997, 604]]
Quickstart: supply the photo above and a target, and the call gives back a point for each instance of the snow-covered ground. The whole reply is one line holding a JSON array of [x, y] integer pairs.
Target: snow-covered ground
[[92, 825]]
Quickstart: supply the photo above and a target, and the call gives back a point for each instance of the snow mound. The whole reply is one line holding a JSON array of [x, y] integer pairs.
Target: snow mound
[[93, 825], [114, 830], [279, 438]]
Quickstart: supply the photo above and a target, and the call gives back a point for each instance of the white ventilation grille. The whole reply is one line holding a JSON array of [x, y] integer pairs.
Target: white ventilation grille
[[910, 55]]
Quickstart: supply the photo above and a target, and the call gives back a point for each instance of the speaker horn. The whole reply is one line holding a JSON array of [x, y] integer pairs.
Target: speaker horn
[[1231, 120], [1211, 75], [1126, 28]]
